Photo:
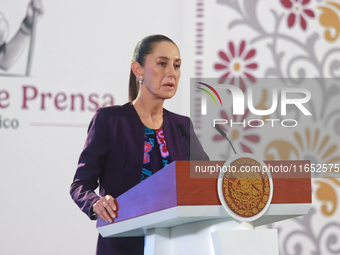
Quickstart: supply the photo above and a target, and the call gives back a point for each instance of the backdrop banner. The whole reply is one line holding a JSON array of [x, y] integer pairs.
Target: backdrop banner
[[259, 46], [61, 60]]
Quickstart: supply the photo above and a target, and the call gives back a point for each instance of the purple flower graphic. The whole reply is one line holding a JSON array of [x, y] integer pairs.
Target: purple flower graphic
[[299, 10], [237, 64]]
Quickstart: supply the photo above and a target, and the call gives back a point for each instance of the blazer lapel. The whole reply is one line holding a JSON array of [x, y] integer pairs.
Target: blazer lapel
[[173, 138]]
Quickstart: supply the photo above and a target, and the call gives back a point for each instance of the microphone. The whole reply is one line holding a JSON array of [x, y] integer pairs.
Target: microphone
[[184, 135], [219, 129]]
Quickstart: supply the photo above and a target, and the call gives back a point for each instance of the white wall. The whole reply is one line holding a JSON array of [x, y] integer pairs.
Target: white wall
[[83, 47]]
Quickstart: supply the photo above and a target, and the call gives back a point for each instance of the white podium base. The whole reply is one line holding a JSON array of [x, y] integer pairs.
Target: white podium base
[[211, 237], [246, 242]]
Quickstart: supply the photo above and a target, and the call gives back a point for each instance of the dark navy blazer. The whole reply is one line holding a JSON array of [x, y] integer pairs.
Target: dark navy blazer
[[113, 159]]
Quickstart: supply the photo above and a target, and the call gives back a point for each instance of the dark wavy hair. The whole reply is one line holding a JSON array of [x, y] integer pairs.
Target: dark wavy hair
[[143, 48]]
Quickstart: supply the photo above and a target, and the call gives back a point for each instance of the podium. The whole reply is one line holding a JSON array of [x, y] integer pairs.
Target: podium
[[178, 214]]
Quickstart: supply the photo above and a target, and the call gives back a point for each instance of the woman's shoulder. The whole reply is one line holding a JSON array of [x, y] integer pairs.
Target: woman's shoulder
[[115, 110], [175, 116], [105, 116]]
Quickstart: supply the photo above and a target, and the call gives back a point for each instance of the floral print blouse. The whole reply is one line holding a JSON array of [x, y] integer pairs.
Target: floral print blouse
[[156, 154]]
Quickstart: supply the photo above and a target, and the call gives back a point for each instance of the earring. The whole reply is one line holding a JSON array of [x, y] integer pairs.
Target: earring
[[140, 80]]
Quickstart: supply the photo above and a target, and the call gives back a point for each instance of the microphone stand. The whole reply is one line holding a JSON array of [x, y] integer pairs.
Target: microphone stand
[[219, 129]]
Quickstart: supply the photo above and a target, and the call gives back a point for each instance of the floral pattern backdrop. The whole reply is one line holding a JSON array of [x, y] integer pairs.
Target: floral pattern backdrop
[[241, 42]]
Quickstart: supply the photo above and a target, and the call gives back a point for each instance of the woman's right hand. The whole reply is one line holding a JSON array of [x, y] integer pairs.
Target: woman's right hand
[[105, 208]]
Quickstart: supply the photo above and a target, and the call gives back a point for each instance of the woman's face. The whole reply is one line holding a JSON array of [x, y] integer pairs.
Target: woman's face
[[162, 70]]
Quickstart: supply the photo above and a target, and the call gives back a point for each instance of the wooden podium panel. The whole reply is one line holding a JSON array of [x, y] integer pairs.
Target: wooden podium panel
[[203, 191], [171, 197]]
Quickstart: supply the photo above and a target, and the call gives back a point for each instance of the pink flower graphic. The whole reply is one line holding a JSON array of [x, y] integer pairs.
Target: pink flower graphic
[[237, 64], [161, 141], [298, 9], [147, 149], [238, 133]]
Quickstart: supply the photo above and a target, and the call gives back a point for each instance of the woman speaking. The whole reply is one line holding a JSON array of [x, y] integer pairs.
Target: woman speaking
[[127, 144]]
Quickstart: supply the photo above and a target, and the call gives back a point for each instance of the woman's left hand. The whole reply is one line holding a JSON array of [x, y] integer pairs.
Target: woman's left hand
[[105, 208]]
